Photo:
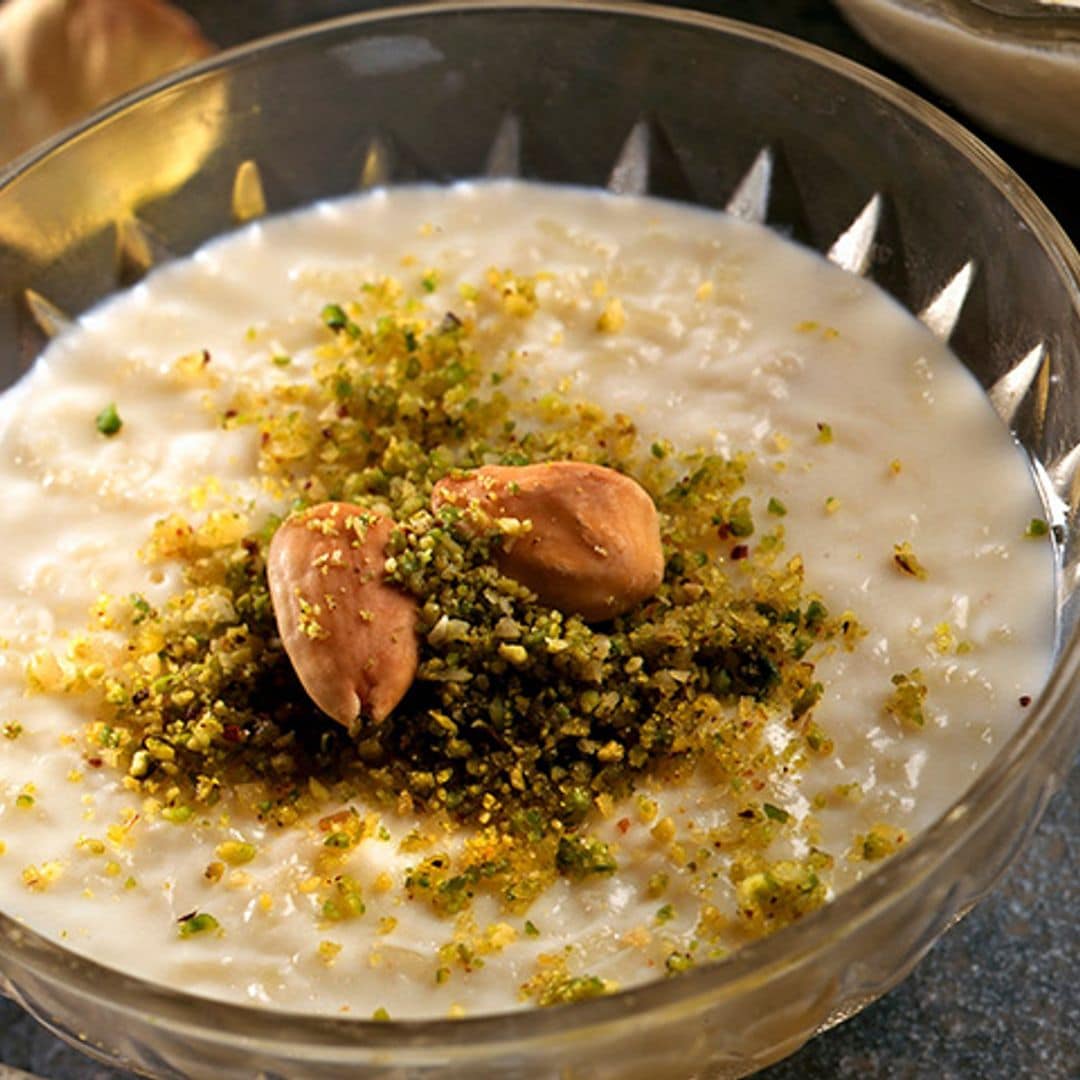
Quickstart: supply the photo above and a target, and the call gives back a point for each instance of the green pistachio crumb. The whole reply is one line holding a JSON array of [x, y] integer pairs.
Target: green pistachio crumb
[[906, 702], [197, 923], [108, 421], [657, 884], [334, 317], [678, 962], [575, 988], [580, 856]]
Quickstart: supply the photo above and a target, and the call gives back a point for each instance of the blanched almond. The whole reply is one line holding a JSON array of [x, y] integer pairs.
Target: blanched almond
[[592, 546], [350, 636]]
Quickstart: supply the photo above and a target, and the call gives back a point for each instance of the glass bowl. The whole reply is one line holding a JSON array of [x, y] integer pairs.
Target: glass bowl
[[638, 99], [1014, 65]]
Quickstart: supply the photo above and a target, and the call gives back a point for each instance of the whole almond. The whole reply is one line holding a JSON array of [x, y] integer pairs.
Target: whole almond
[[351, 637], [592, 543]]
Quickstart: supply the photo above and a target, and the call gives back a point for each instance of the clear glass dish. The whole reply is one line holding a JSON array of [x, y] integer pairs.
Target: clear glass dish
[[1014, 65], [638, 98]]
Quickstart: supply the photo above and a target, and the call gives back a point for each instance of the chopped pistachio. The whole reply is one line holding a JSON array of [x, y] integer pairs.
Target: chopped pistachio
[[677, 962], [524, 723], [236, 852], [664, 914], [906, 702], [197, 923], [879, 843], [579, 857], [906, 561], [108, 421]]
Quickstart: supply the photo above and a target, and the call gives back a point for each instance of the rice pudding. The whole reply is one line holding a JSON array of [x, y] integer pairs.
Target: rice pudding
[[839, 505]]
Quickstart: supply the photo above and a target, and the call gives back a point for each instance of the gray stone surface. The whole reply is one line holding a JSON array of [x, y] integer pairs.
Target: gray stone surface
[[999, 996]]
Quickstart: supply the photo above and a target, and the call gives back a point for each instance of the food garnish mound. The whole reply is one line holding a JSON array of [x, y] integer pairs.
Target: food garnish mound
[[521, 721]]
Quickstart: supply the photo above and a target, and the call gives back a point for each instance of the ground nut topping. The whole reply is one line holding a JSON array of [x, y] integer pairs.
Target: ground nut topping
[[450, 600]]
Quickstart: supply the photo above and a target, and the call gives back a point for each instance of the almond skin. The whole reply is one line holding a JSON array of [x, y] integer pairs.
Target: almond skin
[[593, 545], [351, 637]]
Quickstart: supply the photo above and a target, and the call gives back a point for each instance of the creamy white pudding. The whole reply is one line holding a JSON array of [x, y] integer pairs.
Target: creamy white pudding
[[895, 483]]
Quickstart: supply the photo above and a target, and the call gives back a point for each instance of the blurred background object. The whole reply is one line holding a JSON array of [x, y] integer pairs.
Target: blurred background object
[[1014, 65], [62, 59]]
